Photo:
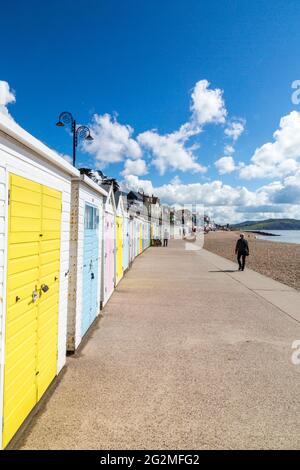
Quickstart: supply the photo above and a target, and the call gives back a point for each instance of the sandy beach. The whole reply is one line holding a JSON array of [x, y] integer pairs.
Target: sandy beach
[[280, 261]]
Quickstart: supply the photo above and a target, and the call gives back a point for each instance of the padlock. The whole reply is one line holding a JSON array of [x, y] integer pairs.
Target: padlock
[[44, 287]]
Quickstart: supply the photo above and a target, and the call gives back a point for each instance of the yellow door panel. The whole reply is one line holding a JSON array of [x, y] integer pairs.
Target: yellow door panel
[[19, 250], [17, 357], [19, 310], [52, 214], [51, 235], [50, 245], [50, 268], [50, 225], [20, 297], [48, 305], [26, 224], [18, 280], [49, 301], [49, 256], [18, 414], [25, 183], [20, 337], [51, 280], [119, 253], [22, 195], [31, 324], [23, 377], [22, 209], [51, 202], [15, 326], [22, 264], [53, 193], [24, 237], [45, 378]]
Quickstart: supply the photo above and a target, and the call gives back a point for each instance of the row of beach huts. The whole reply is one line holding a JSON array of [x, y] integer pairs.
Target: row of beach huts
[[65, 243]]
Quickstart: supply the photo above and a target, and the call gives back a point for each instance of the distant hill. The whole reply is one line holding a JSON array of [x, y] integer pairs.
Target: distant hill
[[269, 224]]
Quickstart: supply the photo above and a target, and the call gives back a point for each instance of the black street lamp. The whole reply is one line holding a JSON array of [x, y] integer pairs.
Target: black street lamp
[[82, 131]]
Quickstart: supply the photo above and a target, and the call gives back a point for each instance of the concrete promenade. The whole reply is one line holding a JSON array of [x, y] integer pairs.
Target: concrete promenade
[[188, 355]]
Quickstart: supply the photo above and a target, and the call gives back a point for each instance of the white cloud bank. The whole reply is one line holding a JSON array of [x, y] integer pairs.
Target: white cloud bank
[[135, 167], [281, 157], [225, 165], [7, 96], [226, 203], [112, 141], [169, 151]]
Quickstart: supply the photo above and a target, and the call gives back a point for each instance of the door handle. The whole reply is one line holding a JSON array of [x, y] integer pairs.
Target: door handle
[[92, 276], [35, 295]]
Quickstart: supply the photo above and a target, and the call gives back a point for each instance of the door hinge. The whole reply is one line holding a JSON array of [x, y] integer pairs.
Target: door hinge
[[8, 196]]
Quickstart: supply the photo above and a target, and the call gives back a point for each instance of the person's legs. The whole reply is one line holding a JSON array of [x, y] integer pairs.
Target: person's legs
[[243, 262], [165, 242], [239, 260]]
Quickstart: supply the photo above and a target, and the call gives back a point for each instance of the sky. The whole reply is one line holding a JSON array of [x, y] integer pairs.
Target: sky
[[195, 101]]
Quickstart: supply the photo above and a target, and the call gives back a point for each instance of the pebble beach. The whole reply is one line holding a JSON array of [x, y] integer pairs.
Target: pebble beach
[[280, 261]]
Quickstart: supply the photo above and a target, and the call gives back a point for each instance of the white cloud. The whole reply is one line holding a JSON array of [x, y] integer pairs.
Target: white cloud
[[134, 183], [229, 150], [207, 105], [175, 180], [235, 129], [281, 157], [225, 165], [112, 141], [135, 167], [289, 191], [7, 96], [169, 151]]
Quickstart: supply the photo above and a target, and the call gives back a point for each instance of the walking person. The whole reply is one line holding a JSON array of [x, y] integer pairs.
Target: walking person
[[166, 237], [242, 250]]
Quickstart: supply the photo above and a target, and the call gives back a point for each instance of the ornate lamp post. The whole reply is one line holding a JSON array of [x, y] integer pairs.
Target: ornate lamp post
[[81, 131]]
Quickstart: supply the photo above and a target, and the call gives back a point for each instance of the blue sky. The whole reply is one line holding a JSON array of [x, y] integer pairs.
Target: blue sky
[[140, 62]]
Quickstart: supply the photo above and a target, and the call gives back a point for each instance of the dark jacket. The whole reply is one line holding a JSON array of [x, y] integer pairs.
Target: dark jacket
[[242, 247]]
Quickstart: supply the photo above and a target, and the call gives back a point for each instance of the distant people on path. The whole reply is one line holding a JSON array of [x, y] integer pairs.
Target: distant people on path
[[166, 237], [242, 250]]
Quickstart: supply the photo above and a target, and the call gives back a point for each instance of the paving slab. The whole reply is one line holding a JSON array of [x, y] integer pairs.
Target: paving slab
[[281, 296]]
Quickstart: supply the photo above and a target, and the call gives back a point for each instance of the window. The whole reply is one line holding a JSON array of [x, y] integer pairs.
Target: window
[[91, 217]]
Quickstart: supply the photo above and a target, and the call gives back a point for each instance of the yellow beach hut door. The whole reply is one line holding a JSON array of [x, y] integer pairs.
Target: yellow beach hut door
[[119, 258], [32, 298]]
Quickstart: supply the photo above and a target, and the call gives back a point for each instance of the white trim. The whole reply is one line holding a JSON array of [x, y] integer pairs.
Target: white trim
[[17, 133], [93, 185], [3, 320], [110, 197]]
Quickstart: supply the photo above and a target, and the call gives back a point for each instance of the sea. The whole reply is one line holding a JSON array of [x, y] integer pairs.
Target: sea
[[285, 236]]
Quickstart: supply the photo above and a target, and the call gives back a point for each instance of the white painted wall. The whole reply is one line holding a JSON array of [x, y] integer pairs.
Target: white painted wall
[[81, 195]]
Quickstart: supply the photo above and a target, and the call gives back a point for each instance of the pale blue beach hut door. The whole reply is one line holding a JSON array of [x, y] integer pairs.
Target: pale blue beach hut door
[[90, 301]]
